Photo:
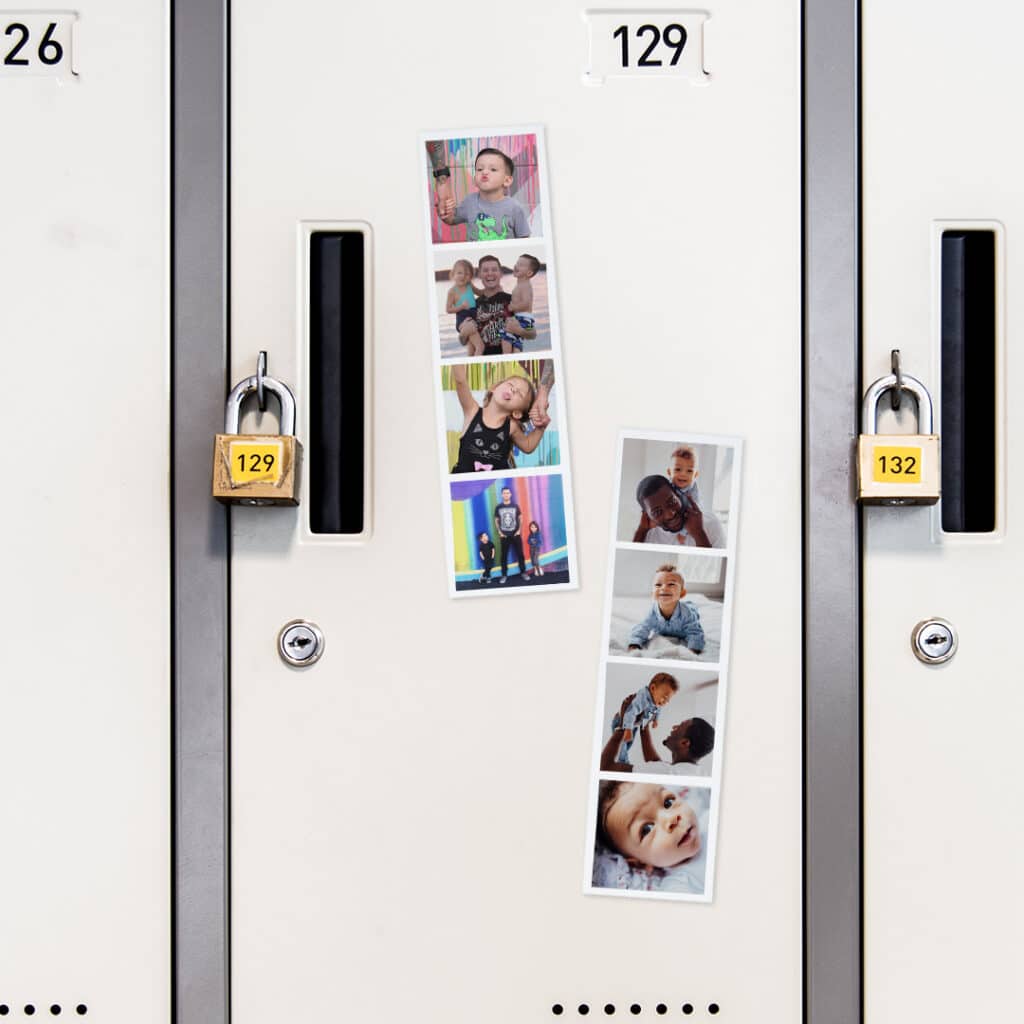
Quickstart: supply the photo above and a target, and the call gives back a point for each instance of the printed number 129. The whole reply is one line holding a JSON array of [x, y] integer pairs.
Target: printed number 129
[[671, 36]]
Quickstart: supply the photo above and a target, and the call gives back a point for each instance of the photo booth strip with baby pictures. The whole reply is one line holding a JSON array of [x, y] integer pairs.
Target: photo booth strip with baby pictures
[[500, 392], [657, 765]]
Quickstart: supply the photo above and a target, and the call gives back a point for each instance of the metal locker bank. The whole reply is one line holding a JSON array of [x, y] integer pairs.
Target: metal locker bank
[[509, 512]]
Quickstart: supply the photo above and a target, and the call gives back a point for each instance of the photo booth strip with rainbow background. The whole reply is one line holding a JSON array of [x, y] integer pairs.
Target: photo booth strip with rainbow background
[[503, 447]]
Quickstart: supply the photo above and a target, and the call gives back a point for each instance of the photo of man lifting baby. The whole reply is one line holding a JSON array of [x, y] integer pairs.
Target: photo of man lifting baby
[[657, 722]]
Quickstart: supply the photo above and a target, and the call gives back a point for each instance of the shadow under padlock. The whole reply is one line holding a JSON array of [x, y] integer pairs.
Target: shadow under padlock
[[257, 469]]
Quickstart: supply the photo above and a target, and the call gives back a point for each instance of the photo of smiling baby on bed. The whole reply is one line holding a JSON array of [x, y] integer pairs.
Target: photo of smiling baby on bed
[[650, 838], [667, 606]]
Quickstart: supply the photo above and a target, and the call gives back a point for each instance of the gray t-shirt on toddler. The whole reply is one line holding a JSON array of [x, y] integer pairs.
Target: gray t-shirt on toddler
[[491, 222]]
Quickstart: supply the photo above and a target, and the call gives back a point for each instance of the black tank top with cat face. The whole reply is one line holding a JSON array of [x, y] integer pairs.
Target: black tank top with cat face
[[482, 447]]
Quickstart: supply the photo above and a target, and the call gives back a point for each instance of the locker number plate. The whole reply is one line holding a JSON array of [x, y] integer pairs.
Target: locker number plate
[[36, 43], [251, 462], [897, 465], [645, 44]]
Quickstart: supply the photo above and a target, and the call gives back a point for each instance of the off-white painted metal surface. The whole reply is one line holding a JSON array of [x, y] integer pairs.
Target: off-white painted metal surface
[[943, 787], [408, 816], [85, 722]]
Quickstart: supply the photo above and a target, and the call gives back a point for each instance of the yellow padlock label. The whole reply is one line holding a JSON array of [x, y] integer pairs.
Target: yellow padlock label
[[251, 461], [894, 465]]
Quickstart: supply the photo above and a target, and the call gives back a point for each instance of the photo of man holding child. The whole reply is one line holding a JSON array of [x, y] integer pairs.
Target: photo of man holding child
[[675, 493], [658, 722], [493, 302]]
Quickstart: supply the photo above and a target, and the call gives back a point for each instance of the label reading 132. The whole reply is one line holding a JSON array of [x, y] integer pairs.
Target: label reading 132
[[35, 43], [646, 44], [897, 465], [252, 461]]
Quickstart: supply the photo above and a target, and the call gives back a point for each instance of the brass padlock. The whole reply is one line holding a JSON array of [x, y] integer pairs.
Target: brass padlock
[[897, 469], [257, 469]]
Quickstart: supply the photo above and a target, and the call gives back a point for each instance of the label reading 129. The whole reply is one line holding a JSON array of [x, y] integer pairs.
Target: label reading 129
[[35, 43], [646, 44], [253, 461], [897, 465]]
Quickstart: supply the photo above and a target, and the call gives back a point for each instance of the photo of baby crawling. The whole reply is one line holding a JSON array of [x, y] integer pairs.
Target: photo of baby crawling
[[493, 302], [650, 838], [675, 493], [667, 605], [484, 189], [500, 415], [657, 722], [509, 533]]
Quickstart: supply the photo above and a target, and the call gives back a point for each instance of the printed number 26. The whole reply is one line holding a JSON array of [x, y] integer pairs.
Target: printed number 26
[[49, 51], [673, 36]]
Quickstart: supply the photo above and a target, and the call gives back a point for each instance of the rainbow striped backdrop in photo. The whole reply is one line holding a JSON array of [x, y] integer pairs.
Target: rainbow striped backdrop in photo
[[473, 503]]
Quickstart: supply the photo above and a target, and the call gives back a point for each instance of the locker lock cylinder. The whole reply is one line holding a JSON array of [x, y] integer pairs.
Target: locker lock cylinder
[[300, 643], [934, 641]]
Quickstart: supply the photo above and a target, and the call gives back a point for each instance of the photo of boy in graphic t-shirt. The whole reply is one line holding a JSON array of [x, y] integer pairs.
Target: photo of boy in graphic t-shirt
[[489, 214]]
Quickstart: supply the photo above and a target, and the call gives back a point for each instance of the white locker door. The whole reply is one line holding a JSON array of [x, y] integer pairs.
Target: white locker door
[[942, 830], [409, 814], [85, 723]]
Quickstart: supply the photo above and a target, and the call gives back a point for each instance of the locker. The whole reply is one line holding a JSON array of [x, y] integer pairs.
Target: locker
[[430, 708]]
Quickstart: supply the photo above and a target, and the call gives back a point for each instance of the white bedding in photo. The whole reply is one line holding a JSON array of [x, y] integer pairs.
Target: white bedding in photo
[[628, 611]]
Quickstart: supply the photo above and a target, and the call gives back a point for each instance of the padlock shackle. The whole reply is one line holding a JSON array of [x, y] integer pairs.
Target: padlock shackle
[[241, 391], [873, 395]]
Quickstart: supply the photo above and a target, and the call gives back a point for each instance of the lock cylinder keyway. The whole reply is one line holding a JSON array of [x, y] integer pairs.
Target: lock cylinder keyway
[[897, 469], [257, 469]]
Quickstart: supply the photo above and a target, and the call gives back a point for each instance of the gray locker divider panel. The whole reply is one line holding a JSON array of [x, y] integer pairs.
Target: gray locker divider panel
[[832, 714], [201, 539]]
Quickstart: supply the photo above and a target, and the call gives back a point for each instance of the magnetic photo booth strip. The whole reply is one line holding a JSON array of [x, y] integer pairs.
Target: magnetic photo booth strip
[[606, 874], [542, 477]]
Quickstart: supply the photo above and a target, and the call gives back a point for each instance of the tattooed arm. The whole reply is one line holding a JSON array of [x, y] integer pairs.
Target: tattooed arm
[[539, 412], [444, 197]]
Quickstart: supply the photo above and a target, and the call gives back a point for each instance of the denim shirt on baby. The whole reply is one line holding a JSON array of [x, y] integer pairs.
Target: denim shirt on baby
[[684, 625]]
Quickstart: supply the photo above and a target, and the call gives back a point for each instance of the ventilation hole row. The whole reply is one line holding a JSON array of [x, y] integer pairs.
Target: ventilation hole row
[[55, 1009], [635, 1008]]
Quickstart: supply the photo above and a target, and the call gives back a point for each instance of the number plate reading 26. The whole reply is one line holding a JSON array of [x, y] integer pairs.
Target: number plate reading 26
[[646, 44], [251, 462], [897, 466], [36, 43]]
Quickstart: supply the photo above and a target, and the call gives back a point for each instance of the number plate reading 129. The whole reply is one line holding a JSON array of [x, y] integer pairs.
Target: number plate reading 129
[[36, 43], [897, 465], [646, 44], [251, 461]]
